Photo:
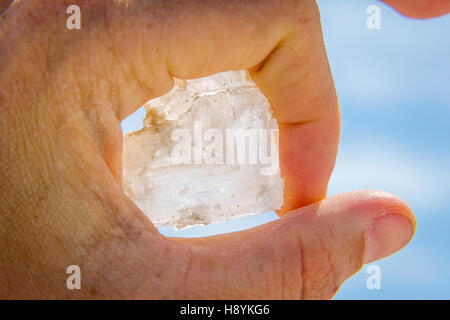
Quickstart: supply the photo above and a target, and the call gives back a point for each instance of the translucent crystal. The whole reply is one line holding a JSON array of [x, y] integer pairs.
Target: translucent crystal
[[208, 152]]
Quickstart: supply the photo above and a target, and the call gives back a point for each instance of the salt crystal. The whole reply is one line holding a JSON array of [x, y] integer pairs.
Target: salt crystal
[[208, 152]]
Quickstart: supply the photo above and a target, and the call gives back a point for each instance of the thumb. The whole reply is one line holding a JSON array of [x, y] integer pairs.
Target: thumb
[[306, 254]]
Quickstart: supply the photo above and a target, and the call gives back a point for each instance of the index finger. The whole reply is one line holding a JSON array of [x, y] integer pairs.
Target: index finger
[[283, 47]]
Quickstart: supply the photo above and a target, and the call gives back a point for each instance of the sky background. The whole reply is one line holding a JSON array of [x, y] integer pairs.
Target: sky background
[[393, 86]]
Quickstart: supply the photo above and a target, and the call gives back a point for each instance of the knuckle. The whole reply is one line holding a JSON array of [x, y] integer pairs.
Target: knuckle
[[321, 280], [321, 268]]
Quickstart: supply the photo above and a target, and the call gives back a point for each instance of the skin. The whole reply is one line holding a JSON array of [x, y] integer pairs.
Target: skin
[[63, 94]]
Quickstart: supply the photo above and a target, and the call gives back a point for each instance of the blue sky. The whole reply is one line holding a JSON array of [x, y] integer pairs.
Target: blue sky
[[394, 90]]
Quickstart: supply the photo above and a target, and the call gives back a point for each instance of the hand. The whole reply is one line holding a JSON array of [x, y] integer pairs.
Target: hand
[[63, 94]]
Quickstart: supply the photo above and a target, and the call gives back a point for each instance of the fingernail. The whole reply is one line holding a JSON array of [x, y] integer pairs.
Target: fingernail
[[387, 234]]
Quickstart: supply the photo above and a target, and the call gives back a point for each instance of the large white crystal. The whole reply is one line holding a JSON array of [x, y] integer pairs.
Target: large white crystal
[[208, 152]]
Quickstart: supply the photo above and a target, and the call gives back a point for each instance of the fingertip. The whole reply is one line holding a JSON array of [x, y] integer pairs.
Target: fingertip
[[388, 234], [389, 222], [418, 9]]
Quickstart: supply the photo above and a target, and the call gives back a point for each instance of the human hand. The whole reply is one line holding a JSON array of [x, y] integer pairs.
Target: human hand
[[63, 94]]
